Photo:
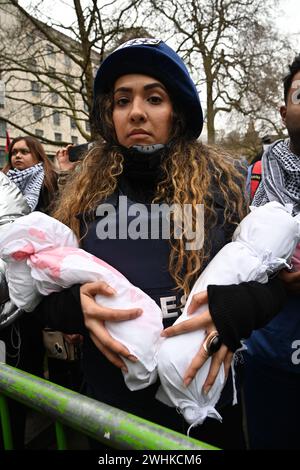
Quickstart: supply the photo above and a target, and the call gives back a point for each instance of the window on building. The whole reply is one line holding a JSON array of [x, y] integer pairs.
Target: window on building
[[54, 97], [51, 70], [39, 132], [31, 63], [73, 123], [74, 139], [3, 159], [36, 88], [30, 38], [50, 51], [56, 118], [67, 60], [37, 112], [2, 93], [57, 137], [87, 126], [2, 128]]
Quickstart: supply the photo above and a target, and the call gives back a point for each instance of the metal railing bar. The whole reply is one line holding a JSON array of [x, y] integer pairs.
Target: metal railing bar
[[113, 427], [60, 436], [5, 424]]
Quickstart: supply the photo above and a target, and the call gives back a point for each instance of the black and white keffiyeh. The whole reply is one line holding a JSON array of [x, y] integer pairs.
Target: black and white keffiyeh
[[280, 177], [29, 182]]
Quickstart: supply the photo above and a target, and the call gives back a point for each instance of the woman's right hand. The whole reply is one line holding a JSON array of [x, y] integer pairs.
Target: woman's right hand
[[62, 158], [94, 317]]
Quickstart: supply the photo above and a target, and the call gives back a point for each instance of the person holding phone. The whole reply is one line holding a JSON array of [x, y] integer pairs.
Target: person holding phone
[[148, 116], [30, 169]]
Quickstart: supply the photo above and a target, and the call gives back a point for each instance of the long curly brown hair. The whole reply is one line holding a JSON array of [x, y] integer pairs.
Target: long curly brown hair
[[192, 172]]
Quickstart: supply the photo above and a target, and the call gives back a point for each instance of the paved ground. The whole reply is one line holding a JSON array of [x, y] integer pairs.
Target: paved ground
[[40, 434]]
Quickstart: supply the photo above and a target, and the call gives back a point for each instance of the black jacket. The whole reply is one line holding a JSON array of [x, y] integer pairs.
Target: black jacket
[[236, 311]]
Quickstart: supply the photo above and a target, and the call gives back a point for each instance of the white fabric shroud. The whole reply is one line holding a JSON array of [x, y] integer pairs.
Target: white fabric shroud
[[12, 206], [42, 255], [262, 244]]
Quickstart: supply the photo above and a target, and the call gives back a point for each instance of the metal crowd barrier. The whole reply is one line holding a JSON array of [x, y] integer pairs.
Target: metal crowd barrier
[[106, 424]]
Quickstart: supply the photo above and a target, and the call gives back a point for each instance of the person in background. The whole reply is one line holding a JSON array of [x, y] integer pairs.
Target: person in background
[[254, 170], [272, 372], [30, 169], [33, 173], [149, 117]]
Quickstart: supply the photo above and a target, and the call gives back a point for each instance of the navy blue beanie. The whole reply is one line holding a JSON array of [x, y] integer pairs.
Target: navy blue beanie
[[154, 58]]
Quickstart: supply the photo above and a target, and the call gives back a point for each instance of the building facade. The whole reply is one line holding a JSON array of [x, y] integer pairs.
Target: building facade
[[42, 91]]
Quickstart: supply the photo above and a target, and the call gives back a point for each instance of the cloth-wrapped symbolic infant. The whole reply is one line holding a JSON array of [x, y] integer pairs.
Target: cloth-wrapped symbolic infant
[[262, 244], [42, 257], [12, 206]]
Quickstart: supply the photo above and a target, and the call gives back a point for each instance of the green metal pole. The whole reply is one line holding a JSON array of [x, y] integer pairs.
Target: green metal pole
[[5, 424], [111, 426], [60, 436]]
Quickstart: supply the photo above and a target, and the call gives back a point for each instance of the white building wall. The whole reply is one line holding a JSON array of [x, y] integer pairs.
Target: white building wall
[[19, 85]]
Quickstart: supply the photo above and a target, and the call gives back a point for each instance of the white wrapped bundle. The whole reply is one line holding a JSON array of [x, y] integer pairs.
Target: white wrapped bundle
[[26, 236], [262, 244], [48, 253], [3, 284], [12, 203], [12, 206]]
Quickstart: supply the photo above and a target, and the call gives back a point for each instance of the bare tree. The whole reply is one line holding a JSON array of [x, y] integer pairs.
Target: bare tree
[[234, 44], [231, 44], [49, 66]]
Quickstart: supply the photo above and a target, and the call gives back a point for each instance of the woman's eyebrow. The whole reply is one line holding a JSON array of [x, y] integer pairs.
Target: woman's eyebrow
[[154, 85], [123, 89], [149, 86]]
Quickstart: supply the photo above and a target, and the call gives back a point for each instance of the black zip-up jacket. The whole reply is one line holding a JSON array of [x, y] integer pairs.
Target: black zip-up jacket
[[236, 310]]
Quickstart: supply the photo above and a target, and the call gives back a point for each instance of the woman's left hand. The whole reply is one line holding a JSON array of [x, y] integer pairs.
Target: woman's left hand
[[203, 322]]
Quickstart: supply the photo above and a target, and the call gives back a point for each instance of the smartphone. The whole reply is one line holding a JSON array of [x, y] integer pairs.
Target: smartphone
[[77, 152]]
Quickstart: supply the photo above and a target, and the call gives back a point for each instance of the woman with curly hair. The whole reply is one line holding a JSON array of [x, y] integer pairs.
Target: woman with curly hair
[[148, 116]]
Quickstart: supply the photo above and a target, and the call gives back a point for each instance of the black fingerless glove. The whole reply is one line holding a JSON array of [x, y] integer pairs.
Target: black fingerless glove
[[237, 310]]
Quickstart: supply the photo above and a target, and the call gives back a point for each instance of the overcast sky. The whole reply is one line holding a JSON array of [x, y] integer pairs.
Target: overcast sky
[[288, 20]]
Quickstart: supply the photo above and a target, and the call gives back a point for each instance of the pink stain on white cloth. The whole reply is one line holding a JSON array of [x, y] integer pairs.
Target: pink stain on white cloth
[[48, 259], [39, 234], [24, 253], [52, 260]]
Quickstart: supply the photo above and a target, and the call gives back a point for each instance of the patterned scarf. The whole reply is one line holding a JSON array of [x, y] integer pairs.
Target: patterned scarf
[[280, 177], [29, 182]]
